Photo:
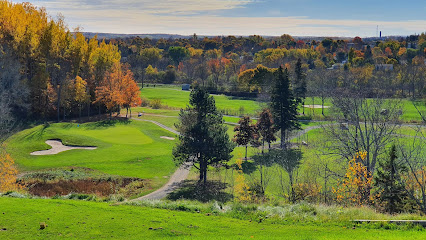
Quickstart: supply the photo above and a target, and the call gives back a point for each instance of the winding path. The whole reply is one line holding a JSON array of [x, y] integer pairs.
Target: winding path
[[175, 180]]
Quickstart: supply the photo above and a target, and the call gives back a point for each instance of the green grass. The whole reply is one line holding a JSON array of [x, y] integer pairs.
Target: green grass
[[175, 98], [130, 149], [90, 220], [410, 113]]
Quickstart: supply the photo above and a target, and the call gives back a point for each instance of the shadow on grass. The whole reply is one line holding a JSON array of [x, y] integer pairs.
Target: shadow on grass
[[107, 123], [192, 190]]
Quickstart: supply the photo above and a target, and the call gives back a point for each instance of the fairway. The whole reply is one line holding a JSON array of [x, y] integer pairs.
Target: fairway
[[175, 98], [130, 149]]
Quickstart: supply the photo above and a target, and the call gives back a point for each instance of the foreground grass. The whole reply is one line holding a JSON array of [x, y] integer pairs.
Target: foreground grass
[[21, 218], [130, 149]]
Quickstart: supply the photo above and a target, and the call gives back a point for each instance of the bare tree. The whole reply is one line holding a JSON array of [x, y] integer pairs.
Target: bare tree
[[413, 155], [421, 109], [362, 124]]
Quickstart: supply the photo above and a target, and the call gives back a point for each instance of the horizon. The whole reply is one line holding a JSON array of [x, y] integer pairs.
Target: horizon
[[303, 18]]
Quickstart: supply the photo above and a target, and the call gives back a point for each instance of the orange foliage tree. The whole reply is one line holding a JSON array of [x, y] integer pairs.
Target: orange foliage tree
[[131, 92], [118, 88], [109, 91], [8, 173], [355, 187]]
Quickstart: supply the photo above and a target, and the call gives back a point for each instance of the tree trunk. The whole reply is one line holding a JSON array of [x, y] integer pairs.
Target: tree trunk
[[246, 151], [79, 114], [58, 105], [283, 145]]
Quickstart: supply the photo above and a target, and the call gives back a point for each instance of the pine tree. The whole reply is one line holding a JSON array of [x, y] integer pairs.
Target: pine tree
[[388, 183], [204, 139], [284, 105], [300, 87]]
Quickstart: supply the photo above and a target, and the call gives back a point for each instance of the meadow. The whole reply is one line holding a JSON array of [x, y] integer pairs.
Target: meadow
[[70, 219]]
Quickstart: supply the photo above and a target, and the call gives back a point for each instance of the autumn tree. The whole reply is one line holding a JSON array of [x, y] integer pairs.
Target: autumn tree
[[109, 93], [8, 173], [266, 128], [245, 133], [81, 93], [204, 140], [130, 92], [355, 187], [284, 105]]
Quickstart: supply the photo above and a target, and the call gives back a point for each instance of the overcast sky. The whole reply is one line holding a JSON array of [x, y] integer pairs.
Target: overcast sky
[[243, 17]]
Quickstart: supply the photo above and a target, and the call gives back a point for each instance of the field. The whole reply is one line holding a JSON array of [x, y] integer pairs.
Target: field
[[173, 97], [130, 149], [21, 218], [410, 113]]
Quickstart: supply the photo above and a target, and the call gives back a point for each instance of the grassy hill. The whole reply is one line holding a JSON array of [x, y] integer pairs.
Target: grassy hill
[[69, 219]]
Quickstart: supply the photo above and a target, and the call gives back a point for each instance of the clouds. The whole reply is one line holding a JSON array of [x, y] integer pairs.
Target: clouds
[[172, 7], [203, 17]]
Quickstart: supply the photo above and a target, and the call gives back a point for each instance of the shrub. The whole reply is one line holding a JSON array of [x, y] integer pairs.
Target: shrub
[[145, 102], [156, 103]]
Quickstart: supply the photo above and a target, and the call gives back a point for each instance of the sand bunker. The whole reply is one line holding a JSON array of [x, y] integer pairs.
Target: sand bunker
[[167, 138], [315, 106], [58, 147]]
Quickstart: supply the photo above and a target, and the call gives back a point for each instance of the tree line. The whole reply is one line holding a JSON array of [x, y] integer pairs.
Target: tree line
[[244, 64], [48, 72]]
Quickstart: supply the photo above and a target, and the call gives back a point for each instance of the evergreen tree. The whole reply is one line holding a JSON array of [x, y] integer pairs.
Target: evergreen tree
[[204, 139], [284, 105], [300, 86], [388, 183]]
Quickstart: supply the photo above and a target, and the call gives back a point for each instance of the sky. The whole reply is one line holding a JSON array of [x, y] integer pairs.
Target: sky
[[343, 18]]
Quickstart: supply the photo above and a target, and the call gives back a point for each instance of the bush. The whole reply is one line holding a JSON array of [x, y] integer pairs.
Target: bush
[[156, 103], [145, 102]]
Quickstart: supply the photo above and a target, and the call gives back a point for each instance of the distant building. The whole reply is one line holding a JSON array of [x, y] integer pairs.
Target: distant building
[[337, 66], [186, 87], [384, 67]]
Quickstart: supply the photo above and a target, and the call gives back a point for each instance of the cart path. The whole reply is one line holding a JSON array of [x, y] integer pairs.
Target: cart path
[[175, 180]]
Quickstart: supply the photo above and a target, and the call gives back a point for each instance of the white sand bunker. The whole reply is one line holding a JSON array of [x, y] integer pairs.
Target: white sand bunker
[[315, 106], [58, 147], [167, 138]]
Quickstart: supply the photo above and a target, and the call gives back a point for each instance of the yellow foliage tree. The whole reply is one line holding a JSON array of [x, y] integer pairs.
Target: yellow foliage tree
[[8, 173], [355, 187], [241, 189]]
